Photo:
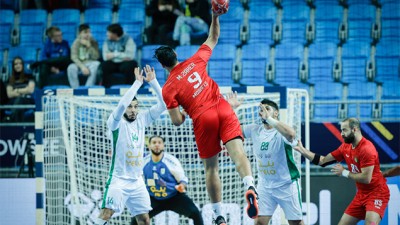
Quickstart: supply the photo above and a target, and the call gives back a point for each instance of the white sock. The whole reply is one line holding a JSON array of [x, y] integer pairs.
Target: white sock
[[248, 181], [217, 209]]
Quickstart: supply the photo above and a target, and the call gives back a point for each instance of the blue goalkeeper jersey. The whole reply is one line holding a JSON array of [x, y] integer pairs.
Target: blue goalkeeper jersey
[[161, 177]]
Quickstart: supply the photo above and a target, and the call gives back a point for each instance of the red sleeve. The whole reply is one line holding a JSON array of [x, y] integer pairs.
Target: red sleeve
[[337, 154], [368, 156], [204, 52], [169, 98]]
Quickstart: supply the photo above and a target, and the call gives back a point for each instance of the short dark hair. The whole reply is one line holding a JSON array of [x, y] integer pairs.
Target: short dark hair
[[115, 28], [134, 99], [166, 56], [51, 30], [353, 122], [83, 27], [270, 103], [156, 136]]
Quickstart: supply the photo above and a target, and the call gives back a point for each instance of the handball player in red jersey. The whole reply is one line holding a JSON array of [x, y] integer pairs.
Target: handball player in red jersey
[[362, 161], [189, 86]]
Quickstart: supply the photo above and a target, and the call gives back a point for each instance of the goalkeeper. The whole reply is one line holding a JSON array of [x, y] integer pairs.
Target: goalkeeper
[[277, 172], [166, 183], [125, 185]]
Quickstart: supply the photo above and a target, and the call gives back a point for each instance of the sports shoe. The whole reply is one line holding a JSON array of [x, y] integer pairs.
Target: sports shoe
[[220, 220], [252, 204]]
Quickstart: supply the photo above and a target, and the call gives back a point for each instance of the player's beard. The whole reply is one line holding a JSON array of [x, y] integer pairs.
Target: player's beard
[[130, 119], [156, 153], [349, 139]]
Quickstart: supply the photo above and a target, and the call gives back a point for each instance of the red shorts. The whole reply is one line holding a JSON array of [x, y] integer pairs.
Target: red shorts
[[375, 200], [215, 124]]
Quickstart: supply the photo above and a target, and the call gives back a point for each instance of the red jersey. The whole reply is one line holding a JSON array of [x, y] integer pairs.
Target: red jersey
[[364, 155], [190, 86]]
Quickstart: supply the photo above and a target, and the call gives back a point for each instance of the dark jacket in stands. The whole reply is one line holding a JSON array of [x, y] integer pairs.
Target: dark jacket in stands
[[199, 8], [162, 17], [55, 50]]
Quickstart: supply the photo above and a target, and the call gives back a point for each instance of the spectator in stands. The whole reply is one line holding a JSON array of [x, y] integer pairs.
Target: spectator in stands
[[3, 98], [20, 89], [118, 53], [84, 54], [164, 14], [55, 56], [197, 18]]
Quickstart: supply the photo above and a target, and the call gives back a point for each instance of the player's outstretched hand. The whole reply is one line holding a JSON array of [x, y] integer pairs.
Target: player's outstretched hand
[[337, 169], [139, 74], [180, 188], [265, 111], [233, 99], [150, 73], [300, 148]]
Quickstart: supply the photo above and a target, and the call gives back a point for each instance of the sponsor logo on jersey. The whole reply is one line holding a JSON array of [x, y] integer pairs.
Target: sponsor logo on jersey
[[378, 203], [135, 137], [264, 146], [354, 168]]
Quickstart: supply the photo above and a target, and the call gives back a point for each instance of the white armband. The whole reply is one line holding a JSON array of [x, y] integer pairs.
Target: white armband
[[271, 121], [345, 173]]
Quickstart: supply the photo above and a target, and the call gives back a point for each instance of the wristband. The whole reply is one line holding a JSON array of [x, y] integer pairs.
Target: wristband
[[316, 159], [271, 121], [345, 173]]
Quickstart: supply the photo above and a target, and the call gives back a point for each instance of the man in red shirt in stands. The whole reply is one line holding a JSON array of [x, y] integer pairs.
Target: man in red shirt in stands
[[189, 86], [362, 160]]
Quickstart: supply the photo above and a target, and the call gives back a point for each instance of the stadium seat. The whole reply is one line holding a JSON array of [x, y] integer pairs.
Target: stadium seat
[[390, 20], [220, 65], [355, 56], [321, 57], [108, 4], [68, 21], [387, 60], [261, 22], [361, 91], [7, 16], [254, 64], [325, 91], [32, 26], [66, 16], [327, 22], [391, 91], [230, 25], [360, 20], [5, 36], [294, 23], [132, 21], [288, 57], [6, 26], [98, 20], [132, 4], [33, 16], [147, 58], [185, 52]]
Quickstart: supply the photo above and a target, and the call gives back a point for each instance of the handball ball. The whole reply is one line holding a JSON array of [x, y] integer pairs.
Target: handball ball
[[220, 6]]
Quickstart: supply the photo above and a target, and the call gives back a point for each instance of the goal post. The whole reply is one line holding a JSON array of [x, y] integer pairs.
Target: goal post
[[76, 152]]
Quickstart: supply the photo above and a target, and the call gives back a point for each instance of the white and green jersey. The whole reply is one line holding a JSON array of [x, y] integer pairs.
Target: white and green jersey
[[275, 160], [128, 138]]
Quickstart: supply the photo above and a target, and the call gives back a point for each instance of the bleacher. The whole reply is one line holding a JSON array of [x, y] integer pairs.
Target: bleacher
[[341, 51]]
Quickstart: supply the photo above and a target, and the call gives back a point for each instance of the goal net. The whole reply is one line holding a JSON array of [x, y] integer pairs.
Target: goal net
[[77, 155]]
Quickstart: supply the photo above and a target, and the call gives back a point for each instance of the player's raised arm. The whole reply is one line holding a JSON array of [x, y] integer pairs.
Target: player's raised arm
[[126, 100], [214, 32], [313, 157], [156, 110], [266, 113]]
